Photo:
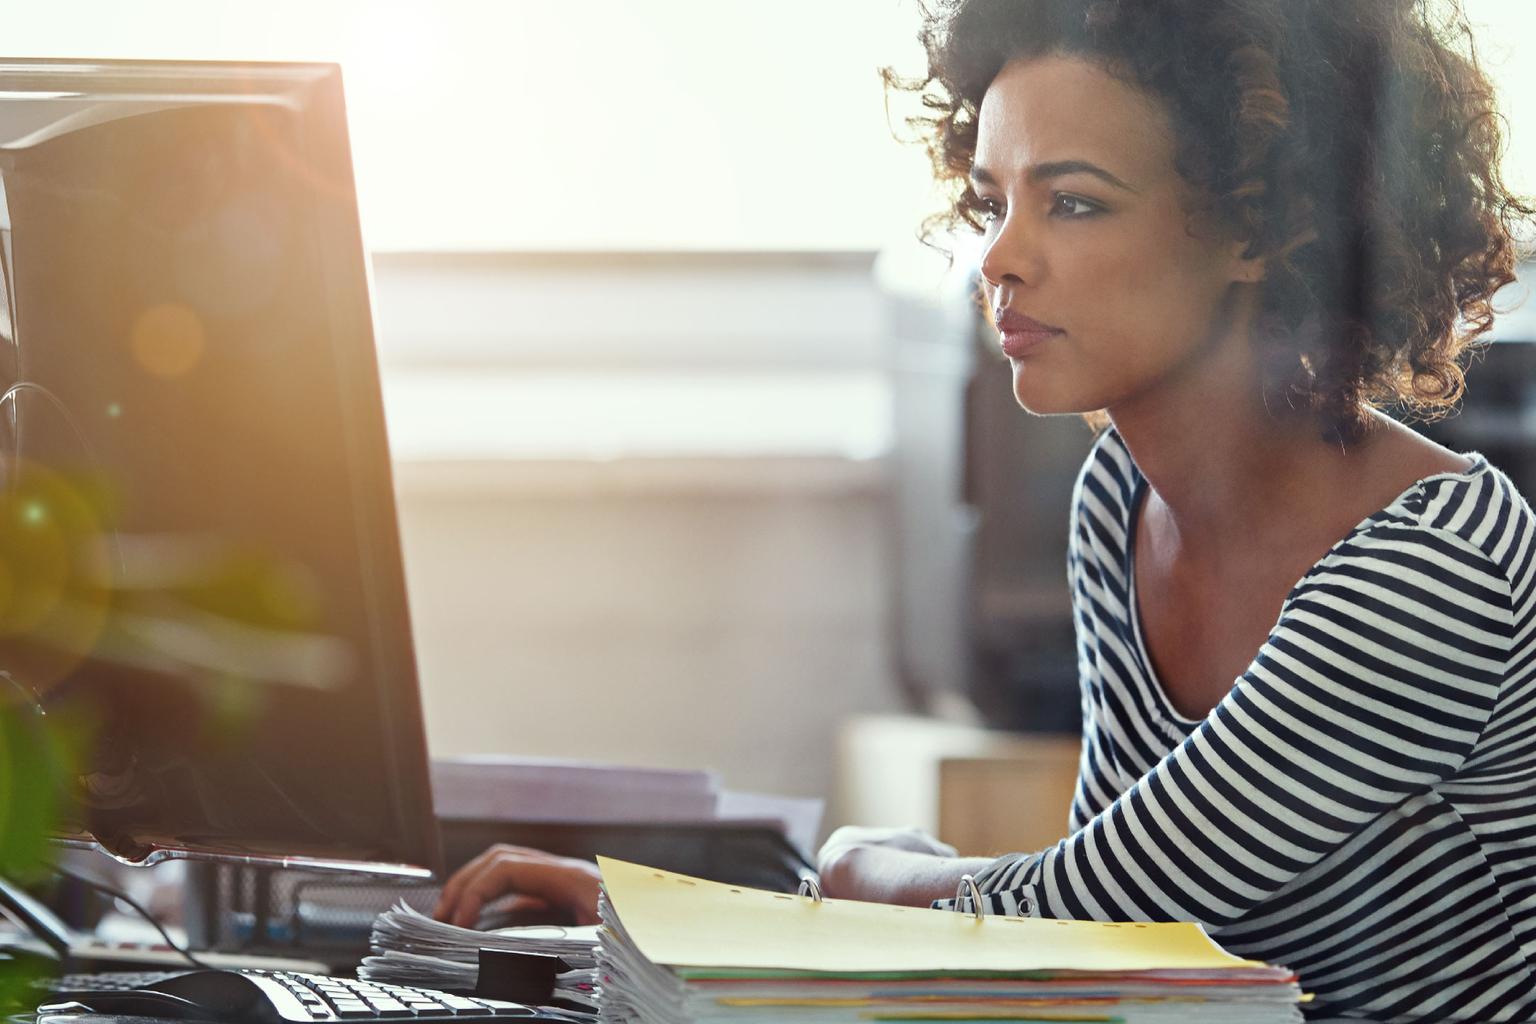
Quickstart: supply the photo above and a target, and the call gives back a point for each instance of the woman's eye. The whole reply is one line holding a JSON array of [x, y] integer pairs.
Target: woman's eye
[[990, 209], [1064, 204]]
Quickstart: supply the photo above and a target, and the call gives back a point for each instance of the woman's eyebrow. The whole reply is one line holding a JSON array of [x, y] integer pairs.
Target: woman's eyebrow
[[1053, 169]]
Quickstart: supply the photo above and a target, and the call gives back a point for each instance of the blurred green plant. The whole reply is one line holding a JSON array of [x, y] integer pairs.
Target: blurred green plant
[[36, 760]]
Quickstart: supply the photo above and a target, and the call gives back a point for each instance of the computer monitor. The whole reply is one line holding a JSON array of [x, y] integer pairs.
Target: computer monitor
[[200, 572]]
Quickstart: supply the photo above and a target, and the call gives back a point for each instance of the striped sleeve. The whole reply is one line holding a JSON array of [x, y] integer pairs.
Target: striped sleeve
[[1374, 685]]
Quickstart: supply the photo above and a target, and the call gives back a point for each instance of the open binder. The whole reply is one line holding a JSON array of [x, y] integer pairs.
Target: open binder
[[680, 949]]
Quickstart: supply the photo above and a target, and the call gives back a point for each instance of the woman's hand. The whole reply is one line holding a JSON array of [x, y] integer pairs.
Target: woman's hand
[[562, 884], [913, 840], [901, 866]]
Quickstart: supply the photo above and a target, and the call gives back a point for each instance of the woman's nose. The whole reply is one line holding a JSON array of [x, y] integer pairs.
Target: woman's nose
[[1012, 254]]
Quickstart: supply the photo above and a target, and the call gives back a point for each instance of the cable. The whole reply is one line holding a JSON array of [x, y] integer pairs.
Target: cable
[[117, 894]]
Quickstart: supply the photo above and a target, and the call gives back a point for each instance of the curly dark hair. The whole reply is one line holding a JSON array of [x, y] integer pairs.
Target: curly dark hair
[[1353, 144]]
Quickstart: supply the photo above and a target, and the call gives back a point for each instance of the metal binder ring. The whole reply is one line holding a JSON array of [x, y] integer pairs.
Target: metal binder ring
[[967, 887], [808, 887]]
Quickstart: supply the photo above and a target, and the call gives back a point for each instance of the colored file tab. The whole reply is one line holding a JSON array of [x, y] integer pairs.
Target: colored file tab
[[688, 922]]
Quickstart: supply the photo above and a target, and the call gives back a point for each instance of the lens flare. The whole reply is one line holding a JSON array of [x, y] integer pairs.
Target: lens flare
[[54, 579], [168, 340]]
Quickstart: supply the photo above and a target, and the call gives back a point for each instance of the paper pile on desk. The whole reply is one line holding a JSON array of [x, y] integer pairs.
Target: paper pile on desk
[[678, 950], [496, 788], [410, 948], [493, 787]]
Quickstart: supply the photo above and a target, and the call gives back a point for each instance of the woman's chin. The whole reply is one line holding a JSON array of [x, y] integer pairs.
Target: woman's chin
[[1041, 402]]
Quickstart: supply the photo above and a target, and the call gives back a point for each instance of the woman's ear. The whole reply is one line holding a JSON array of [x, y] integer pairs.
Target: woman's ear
[[1246, 267]]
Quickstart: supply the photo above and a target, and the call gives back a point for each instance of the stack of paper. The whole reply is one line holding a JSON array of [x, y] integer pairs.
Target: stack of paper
[[411, 948], [495, 788], [675, 949]]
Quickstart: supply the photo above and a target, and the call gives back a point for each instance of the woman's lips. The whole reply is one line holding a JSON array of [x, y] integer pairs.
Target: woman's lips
[[1022, 335]]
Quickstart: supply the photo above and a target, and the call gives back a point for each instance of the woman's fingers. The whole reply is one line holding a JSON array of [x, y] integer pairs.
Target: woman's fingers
[[448, 900], [454, 887], [909, 839], [562, 882], [489, 881]]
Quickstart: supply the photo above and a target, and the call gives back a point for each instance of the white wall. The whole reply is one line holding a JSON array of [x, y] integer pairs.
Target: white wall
[[686, 622], [644, 503]]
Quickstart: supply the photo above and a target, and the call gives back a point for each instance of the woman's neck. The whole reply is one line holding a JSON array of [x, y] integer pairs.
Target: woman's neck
[[1221, 462]]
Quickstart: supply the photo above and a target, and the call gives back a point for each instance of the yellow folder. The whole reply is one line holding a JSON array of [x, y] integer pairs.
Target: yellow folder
[[688, 922]]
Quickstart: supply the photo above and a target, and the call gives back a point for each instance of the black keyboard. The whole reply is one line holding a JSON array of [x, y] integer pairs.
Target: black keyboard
[[98, 981], [285, 997]]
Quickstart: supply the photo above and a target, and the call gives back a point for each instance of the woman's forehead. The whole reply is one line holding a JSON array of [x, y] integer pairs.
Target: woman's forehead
[[1060, 107]]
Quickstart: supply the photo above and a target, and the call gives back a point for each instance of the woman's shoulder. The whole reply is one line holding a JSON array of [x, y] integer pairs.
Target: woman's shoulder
[[1427, 591], [1478, 510], [1460, 532], [1458, 498]]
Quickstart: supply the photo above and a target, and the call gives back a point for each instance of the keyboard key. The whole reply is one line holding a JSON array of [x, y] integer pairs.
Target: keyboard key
[[386, 1007], [463, 1007]]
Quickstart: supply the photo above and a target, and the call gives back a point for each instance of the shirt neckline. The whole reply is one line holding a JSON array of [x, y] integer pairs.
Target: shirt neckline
[[1138, 494]]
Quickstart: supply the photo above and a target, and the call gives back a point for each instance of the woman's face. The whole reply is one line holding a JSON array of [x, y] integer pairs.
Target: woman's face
[[1106, 288]]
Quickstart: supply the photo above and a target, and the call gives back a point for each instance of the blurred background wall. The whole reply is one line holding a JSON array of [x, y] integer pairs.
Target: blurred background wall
[[644, 503]]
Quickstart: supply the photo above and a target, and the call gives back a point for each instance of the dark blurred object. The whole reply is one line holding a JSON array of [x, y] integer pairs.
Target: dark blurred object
[[1019, 473], [983, 494], [1498, 414]]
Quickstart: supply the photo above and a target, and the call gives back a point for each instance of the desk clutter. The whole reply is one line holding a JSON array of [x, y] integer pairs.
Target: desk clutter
[[679, 950], [536, 963], [675, 949]]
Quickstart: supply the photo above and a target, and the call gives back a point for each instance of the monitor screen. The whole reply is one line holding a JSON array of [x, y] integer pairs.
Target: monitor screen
[[200, 577]]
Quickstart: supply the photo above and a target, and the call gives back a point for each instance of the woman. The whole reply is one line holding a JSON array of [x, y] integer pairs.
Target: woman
[[1237, 227], [1232, 229]]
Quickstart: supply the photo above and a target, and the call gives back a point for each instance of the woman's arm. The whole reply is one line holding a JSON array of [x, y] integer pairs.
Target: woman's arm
[[884, 874], [1374, 687]]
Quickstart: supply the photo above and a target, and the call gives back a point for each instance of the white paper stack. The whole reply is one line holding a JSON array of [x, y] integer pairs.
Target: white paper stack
[[678, 950], [410, 948], [536, 789], [495, 788], [549, 790]]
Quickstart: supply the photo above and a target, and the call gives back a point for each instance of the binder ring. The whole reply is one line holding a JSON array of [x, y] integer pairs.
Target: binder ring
[[967, 887], [808, 887]]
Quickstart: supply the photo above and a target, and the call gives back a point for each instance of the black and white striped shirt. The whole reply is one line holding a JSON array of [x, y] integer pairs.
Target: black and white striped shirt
[[1361, 806]]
